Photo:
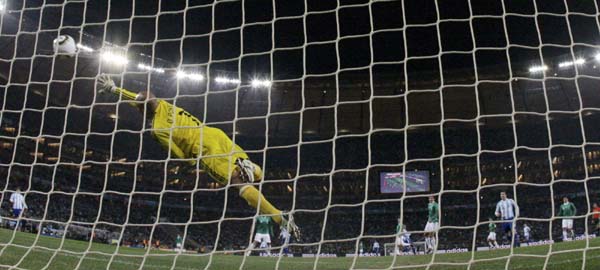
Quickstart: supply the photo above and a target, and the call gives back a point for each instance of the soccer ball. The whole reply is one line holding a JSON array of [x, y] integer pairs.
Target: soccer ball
[[65, 44]]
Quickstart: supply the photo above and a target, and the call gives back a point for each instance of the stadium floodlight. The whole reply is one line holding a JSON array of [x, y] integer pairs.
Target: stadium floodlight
[[597, 57], [256, 83], [114, 58], [2, 5], [84, 48], [150, 68], [180, 74], [192, 76], [537, 69], [195, 77], [578, 61], [224, 80]]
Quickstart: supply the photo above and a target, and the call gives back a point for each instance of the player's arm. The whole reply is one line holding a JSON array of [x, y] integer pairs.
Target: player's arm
[[516, 206], [560, 212], [574, 209], [106, 85], [498, 209]]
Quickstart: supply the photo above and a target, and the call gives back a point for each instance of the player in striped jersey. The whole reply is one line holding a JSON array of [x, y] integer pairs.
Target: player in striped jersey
[[19, 207], [567, 211], [507, 209]]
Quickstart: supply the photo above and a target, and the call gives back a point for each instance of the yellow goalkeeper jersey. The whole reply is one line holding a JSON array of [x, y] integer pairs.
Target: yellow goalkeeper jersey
[[186, 137]]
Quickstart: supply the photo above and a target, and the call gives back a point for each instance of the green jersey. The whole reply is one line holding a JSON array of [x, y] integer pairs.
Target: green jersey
[[178, 240], [567, 210], [432, 209], [398, 228], [492, 227], [264, 225]]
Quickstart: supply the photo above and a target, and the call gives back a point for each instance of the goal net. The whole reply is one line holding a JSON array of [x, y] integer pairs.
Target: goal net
[[385, 130]]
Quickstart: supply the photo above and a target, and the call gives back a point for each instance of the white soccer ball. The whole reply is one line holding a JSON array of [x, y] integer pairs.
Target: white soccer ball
[[65, 44]]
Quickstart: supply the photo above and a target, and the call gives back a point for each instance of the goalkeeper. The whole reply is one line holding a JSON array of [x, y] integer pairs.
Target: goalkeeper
[[187, 138]]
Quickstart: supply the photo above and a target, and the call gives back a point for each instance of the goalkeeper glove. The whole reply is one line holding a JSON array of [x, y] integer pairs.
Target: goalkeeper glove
[[105, 84]]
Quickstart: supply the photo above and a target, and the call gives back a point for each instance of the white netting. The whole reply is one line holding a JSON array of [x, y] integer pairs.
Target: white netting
[[336, 100]]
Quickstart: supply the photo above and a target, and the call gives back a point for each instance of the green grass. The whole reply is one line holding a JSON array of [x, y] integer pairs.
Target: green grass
[[24, 251]]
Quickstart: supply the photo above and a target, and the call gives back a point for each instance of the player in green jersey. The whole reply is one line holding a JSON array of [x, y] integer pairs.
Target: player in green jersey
[[264, 231], [178, 243], [432, 226], [492, 236], [567, 210]]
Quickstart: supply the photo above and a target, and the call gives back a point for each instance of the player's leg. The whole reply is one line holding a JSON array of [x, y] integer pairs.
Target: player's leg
[[434, 235], [571, 229], [254, 244], [257, 200], [564, 230], [268, 240]]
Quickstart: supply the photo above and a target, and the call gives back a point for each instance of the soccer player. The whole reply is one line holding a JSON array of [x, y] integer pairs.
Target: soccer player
[[178, 243], [567, 211], [432, 225], [262, 237], [361, 248], [407, 245], [187, 138], [526, 233], [375, 249], [492, 235], [400, 231], [19, 207], [507, 209], [596, 218], [284, 236]]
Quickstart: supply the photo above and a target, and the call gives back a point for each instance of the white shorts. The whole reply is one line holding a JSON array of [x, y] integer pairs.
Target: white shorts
[[178, 245], [260, 237], [432, 226], [398, 240], [567, 223], [491, 236]]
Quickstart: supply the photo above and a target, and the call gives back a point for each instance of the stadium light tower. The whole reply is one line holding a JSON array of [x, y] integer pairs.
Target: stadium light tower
[[113, 58], [256, 83], [192, 76], [225, 80], [597, 57], [578, 62], [538, 69]]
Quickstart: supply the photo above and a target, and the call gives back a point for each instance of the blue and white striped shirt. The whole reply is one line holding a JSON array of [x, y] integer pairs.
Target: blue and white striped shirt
[[506, 208]]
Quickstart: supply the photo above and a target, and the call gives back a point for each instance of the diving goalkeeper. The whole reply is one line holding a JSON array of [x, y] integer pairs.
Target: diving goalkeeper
[[187, 138]]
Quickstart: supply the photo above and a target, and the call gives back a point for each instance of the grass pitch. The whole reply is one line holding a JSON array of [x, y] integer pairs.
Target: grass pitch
[[23, 251]]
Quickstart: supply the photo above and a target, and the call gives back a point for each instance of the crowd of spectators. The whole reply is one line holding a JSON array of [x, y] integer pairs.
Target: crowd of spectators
[[90, 188]]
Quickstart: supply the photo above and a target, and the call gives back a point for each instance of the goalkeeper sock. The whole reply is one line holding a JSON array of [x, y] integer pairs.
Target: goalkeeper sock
[[253, 196], [126, 94]]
